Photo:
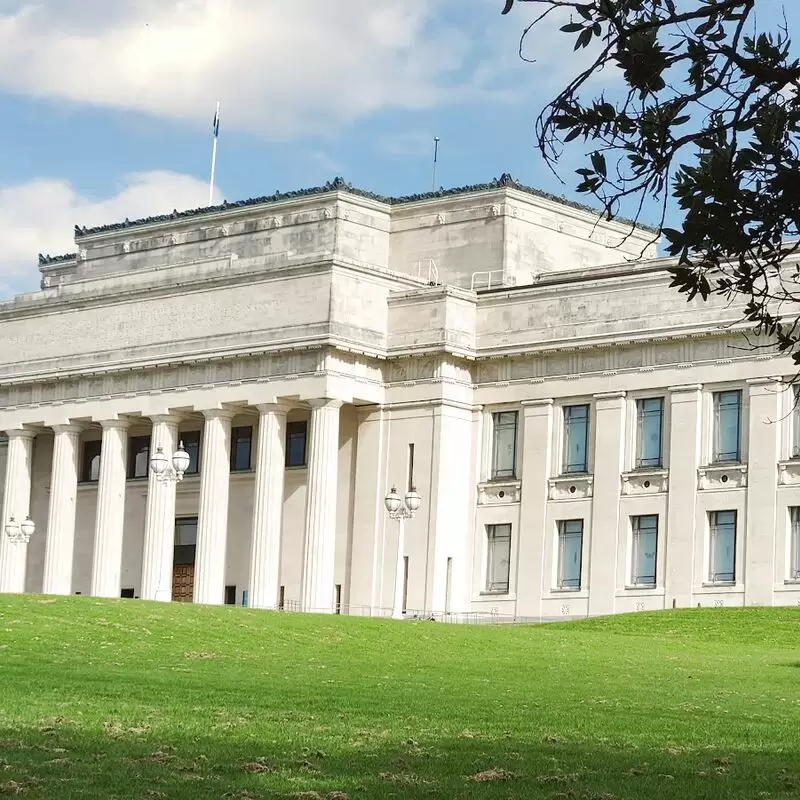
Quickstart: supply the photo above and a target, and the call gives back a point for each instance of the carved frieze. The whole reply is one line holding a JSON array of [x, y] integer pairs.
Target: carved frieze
[[571, 487], [645, 482], [499, 492], [722, 476]]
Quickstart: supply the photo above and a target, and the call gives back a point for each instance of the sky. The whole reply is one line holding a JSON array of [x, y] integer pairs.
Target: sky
[[107, 107]]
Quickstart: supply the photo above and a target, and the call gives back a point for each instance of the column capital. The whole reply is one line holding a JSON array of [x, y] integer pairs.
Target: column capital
[[218, 413], [120, 424], [68, 428], [325, 402], [21, 433], [273, 408], [685, 389], [165, 419], [618, 395]]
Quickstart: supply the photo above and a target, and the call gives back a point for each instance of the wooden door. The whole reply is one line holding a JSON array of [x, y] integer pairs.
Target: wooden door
[[182, 583]]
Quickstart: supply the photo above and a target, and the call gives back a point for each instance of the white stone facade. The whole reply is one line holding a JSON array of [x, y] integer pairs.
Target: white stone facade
[[584, 441]]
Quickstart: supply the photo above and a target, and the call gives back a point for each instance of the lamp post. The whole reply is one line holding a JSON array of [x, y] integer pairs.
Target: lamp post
[[20, 533], [166, 472], [401, 510]]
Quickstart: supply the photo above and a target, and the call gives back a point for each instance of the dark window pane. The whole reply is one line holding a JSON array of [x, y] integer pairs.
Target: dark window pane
[[241, 448], [139, 457], [90, 461], [185, 540], [296, 434], [191, 444]]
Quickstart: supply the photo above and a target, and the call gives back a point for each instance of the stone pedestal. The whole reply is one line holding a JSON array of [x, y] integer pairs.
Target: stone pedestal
[[60, 545], [16, 503], [265, 551], [212, 522], [159, 528], [107, 558], [320, 534]]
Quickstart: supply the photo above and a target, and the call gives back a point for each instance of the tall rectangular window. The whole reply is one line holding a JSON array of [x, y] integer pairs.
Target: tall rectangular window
[[498, 558], [727, 426], [191, 444], [576, 439], [570, 553], [504, 448], [722, 547], [644, 548], [794, 548], [411, 484], [296, 434], [796, 422], [139, 456], [650, 428], [241, 448], [90, 461]]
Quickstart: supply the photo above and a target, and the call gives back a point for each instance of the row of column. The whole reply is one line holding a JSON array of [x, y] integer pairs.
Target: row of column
[[317, 590]]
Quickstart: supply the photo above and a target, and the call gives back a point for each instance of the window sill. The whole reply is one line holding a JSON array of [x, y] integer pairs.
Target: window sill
[[728, 586], [499, 492], [640, 587], [566, 590], [645, 481], [571, 487], [491, 596], [298, 468], [730, 475]]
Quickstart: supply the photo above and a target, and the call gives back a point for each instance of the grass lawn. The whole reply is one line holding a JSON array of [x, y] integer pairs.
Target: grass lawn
[[127, 699]]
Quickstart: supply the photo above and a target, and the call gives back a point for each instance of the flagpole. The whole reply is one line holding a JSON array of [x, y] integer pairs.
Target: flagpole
[[435, 159], [214, 156]]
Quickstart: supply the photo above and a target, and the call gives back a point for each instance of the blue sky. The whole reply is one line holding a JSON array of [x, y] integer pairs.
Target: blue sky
[[107, 106]]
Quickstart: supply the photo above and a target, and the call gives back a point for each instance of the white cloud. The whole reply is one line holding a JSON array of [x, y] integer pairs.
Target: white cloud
[[39, 216], [279, 67]]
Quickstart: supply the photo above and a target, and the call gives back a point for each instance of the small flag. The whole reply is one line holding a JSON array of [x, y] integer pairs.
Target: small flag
[[216, 123]]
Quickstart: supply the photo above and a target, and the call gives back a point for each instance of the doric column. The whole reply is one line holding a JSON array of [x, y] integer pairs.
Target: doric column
[[265, 551], [107, 558], [761, 515], [159, 527], [16, 503], [320, 533], [212, 522], [609, 444], [60, 544], [685, 420]]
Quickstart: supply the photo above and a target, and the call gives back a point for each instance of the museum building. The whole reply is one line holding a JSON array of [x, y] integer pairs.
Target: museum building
[[213, 405]]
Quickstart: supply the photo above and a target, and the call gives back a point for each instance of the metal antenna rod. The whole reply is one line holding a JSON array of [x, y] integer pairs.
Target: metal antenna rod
[[435, 159]]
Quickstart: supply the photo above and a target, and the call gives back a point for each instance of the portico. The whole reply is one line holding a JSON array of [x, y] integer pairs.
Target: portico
[[233, 445]]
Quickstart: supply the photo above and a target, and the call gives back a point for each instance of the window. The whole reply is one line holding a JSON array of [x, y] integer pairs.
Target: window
[[727, 426], [570, 553], [185, 540], [796, 422], [191, 444], [230, 595], [241, 448], [504, 449], [722, 550], [411, 484], [576, 438], [794, 551], [138, 456], [90, 461], [643, 553], [296, 434], [650, 425], [498, 558], [127, 594]]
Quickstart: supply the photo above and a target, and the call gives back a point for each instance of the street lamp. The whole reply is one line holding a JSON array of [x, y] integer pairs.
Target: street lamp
[[166, 472], [401, 510], [20, 534]]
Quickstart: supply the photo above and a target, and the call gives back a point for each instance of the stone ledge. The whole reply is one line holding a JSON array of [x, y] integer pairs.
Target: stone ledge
[[570, 487], [500, 492], [722, 476], [652, 481]]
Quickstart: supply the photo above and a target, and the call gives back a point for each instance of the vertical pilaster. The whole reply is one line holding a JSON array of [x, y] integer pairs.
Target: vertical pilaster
[[763, 456], [537, 438], [107, 558], [320, 533], [265, 551], [159, 527], [212, 522], [609, 443], [60, 545], [684, 460], [16, 503]]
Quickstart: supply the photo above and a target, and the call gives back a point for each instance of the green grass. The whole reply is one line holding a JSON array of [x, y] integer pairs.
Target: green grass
[[138, 700]]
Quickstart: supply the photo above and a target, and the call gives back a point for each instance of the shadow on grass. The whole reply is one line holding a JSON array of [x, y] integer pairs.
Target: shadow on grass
[[65, 761]]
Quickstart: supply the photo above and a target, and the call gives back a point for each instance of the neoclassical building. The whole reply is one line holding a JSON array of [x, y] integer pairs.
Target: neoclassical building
[[584, 441]]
